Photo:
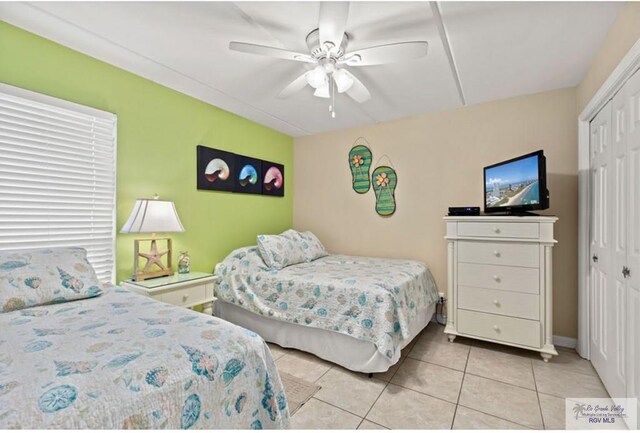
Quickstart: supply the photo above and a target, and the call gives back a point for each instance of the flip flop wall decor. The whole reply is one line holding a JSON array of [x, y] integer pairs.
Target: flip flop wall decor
[[384, 180], [360, 159]]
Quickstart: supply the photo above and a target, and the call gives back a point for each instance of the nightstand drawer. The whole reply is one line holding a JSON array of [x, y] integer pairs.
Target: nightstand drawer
[[510, 278], [514, 304], [499, 253], [499, 230], [186, 296], [499, 328]]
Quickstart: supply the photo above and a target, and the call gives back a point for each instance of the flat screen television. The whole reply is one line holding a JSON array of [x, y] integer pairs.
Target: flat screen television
[[517, 186]]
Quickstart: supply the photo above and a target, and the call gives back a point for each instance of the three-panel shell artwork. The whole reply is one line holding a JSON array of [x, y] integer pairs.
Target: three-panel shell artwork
[[219, 170]]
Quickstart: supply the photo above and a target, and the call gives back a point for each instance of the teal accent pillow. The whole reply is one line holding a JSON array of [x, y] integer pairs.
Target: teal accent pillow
[[280, 251], [45, 276]]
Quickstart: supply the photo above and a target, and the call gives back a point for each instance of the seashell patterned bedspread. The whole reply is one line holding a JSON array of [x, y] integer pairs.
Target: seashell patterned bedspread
[[366, 298], [121, 360]]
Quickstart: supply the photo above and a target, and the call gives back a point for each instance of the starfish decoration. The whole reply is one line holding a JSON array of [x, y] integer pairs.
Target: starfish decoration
[[153, 257]]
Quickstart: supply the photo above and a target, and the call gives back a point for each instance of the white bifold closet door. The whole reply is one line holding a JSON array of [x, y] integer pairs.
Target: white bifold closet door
[[604, 341], [632, 90], [615, 242]]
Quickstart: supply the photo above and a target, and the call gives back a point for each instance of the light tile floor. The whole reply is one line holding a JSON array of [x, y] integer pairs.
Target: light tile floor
[[466, 384]]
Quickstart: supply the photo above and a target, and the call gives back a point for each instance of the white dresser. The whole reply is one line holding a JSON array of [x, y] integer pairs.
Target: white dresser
[[500, 280]]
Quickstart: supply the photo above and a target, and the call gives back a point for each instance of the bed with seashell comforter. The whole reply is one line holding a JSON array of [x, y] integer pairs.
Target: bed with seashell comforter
[[120, 360], [358, 312]]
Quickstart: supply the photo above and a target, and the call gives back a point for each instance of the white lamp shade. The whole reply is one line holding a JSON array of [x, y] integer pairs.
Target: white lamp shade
[[343, 80], [322, 92], [153, 216], [317, 77]]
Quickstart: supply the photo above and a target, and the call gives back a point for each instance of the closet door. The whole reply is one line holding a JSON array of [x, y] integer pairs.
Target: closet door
[[633, 248], [601, 263], [615, 377]]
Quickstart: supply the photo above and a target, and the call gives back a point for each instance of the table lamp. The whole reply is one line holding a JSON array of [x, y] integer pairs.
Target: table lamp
[[152, 216]]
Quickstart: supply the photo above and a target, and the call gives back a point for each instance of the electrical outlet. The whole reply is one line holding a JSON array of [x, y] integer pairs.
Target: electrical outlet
[[441, 297]]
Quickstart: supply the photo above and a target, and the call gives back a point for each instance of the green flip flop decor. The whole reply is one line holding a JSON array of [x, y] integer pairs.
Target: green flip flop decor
[[360, 158], [384, 180]]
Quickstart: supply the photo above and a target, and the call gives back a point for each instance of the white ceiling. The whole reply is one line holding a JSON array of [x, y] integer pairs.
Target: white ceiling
[[501, 49]]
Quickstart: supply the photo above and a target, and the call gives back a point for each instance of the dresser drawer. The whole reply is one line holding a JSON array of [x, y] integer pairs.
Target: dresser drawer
[[499, 230], [511, 278], [514, 304], [186, 296], [499, 253], [500, 328]]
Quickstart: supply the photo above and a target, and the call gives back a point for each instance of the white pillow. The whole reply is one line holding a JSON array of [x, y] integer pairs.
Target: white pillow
[[45, 276], [312, 247], [280, 251]]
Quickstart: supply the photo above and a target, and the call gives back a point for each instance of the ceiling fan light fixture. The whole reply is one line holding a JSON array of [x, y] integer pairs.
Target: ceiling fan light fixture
[[343, 80], [317, 78], [322, 92]]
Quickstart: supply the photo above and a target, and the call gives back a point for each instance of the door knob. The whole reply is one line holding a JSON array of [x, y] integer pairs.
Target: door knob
[[626, 272], [594, 258]]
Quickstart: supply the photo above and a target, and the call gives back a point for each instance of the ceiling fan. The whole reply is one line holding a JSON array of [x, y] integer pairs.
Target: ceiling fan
[[328, 52]]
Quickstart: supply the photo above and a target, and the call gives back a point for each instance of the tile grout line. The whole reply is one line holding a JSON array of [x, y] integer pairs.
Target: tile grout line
[[423, 393], [497, 417], [368, 420], [323, 375], [533, 371], [374, 403], [337, 407], [486, 378], [502, 382], [383, 390], [348, 411], [464, 374]]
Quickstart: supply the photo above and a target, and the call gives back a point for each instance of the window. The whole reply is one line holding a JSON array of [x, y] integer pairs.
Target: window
[[57, 176]]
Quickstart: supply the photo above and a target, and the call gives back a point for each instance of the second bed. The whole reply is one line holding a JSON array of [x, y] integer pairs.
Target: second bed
[[357, 312]]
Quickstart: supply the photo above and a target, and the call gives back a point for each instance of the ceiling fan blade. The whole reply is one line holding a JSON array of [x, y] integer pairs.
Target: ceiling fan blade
[[263, 50], [293, 87], [389, 53], [357, 91], [333, 21]]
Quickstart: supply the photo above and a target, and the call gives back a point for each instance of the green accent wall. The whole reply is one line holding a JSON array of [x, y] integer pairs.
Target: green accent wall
[[158, 131]]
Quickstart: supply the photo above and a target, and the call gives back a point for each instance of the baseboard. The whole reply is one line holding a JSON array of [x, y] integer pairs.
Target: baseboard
[[559, 340]]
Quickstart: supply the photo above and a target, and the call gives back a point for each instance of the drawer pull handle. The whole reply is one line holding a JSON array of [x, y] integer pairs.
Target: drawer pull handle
[[496, 253], [496, 278], [184, 298], [496, 328], [496, 230], [496, 303]]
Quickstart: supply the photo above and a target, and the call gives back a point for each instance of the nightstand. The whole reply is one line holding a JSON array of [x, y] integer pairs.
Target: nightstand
[[183, 290]]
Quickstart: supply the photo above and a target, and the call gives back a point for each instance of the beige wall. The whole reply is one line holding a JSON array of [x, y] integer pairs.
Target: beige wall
[[624, 32], [439, 159]]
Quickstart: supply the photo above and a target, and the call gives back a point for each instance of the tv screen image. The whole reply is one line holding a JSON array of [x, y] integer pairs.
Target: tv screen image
[[517, 184]]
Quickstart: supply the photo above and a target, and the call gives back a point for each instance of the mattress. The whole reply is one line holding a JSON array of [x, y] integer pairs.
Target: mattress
[[121, 360], [369, 299]]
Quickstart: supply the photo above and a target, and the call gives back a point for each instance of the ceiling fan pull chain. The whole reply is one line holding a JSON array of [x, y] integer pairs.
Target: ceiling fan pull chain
[[333, 98]]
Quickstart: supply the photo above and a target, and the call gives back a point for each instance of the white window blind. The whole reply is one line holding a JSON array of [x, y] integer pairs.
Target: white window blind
[[57, 176]]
